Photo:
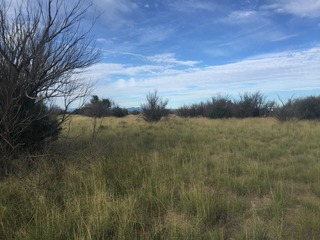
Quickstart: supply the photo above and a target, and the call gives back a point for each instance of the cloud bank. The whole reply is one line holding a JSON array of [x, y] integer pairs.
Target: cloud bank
[[185, 83]]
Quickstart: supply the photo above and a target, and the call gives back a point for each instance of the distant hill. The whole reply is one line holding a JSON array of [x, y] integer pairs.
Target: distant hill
[[132, 109]]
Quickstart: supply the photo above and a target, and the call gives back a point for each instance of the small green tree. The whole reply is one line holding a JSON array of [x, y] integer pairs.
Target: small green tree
[[155, 108], [97, 109]]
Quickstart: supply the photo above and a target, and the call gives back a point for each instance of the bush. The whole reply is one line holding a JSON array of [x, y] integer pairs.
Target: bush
[[183, 111], [219, 107], [249, 105], [253, 105], [301, 108], [41, 125], [286, 111], [155, 108], [97, 107], [308, 108], [194, 110], [119, 112]]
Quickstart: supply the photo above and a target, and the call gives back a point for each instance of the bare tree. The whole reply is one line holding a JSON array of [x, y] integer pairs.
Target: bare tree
[[43, 48]]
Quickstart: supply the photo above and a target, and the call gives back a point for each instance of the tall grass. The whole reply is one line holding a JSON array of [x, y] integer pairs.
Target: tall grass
[[176, 179]]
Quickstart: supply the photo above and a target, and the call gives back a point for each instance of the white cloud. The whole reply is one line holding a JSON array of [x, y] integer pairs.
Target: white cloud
[[242, 15], [303, 8], [104, 71], [157, 65], [169, 58], [198, 5], [153, 34], [125, 84], [115, 12], [273, 73], [193, 6]]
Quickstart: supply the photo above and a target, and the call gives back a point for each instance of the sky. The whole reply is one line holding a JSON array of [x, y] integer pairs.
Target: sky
[[192, 50]]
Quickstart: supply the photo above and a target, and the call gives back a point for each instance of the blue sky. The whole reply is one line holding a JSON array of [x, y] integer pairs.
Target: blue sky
[[191, 50]]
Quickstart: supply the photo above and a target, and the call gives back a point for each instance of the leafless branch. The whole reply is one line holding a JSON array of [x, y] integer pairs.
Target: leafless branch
[[43, 47]]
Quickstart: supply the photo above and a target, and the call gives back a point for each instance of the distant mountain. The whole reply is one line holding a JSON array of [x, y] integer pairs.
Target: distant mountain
[[131, 109]]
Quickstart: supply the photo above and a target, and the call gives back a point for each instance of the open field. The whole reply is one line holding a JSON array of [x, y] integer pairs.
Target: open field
[[176, 179]]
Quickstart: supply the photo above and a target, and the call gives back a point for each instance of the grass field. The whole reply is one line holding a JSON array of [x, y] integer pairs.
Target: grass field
[[176, 179]]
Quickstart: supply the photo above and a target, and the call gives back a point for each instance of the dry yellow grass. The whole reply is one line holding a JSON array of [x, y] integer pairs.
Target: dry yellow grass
[[176, 179]]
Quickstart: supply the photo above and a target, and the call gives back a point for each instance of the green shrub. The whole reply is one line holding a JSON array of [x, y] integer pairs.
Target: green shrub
[[155, 108], [119, 112]]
